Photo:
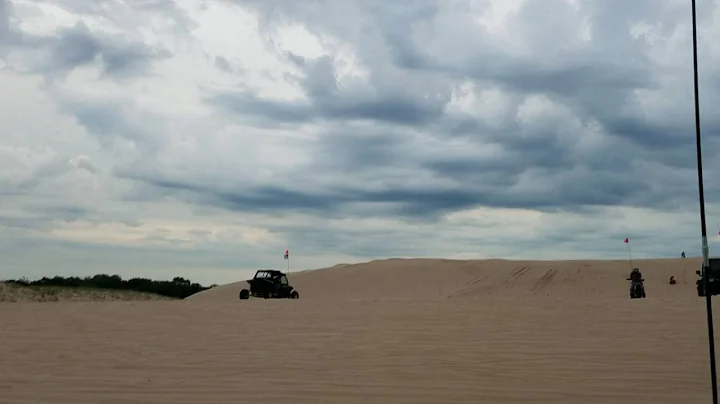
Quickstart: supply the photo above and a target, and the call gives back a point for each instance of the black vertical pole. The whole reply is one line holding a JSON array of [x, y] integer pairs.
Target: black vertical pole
[[701, 194]]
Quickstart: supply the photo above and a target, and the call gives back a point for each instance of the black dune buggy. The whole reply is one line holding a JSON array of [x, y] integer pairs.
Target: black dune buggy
[[712, 273], [269, 284]]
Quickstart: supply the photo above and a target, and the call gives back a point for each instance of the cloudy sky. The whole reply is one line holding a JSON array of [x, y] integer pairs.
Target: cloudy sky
[[202, 138]]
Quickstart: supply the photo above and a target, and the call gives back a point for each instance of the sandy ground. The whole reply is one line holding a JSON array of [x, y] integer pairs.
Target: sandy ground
[[394, 331]]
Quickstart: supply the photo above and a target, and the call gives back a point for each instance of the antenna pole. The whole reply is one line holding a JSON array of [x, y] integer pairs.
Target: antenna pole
[[703, 227]]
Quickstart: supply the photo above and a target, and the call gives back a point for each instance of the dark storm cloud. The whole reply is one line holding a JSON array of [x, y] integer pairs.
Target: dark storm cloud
[[4, 20], [596, 83], [252, 199], [108, 121], [386, 108], [414, 55], [598, 80], [248, 103], [331, 202], [78, 46], [9, 36], [349, 150], [379, 101], [416, 92], [572, 190]]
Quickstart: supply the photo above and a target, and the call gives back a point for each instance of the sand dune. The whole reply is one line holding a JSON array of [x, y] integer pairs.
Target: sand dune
[[458, 279], [390, 331]]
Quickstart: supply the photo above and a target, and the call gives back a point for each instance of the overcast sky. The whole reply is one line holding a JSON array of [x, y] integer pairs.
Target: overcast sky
[[202, 138]]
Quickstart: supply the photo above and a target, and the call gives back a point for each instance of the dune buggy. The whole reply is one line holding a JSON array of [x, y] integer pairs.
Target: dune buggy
[[269, 284], [712, 273]]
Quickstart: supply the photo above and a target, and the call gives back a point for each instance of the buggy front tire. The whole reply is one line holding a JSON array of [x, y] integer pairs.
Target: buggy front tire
[[244, 294], [294, 295]]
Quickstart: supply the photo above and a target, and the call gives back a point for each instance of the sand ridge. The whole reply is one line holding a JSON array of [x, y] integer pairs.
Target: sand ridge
[[456, 279]]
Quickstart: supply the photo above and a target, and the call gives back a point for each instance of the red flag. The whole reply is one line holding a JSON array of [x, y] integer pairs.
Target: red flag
[[626, 240], [287, 254]]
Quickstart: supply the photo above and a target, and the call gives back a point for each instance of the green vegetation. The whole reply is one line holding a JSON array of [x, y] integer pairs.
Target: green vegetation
[[178, 288], [13, 293]]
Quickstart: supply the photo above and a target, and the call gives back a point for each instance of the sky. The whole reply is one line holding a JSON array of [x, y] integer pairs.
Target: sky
[[203, 138]]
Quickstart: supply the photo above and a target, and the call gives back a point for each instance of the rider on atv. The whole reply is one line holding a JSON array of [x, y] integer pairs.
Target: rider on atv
[[637, 290], [635, 275]]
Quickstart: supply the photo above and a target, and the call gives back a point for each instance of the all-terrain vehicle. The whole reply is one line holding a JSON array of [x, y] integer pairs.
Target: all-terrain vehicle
[[713, 278], [269, 284], [637, 289], [637, 284]]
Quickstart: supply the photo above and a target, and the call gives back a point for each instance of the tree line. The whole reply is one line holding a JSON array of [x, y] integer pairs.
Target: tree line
[[178, 287]]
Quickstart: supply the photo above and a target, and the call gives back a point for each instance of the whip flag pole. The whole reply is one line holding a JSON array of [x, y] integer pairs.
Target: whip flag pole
[[627, 241], [703, 227], [287, 257]]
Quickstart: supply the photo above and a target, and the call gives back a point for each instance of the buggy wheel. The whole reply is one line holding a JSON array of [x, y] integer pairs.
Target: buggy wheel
[[294, 295], [244, 294]]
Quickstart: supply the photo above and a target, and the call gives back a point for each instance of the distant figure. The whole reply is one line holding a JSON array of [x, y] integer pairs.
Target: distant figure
[[683, 254], [672, 280]]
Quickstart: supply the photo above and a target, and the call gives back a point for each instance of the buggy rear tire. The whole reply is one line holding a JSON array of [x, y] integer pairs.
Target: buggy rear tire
[[294, 295], [244, 294]]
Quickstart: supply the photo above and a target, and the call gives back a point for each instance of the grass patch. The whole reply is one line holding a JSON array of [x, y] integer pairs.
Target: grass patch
[[34, 293]]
